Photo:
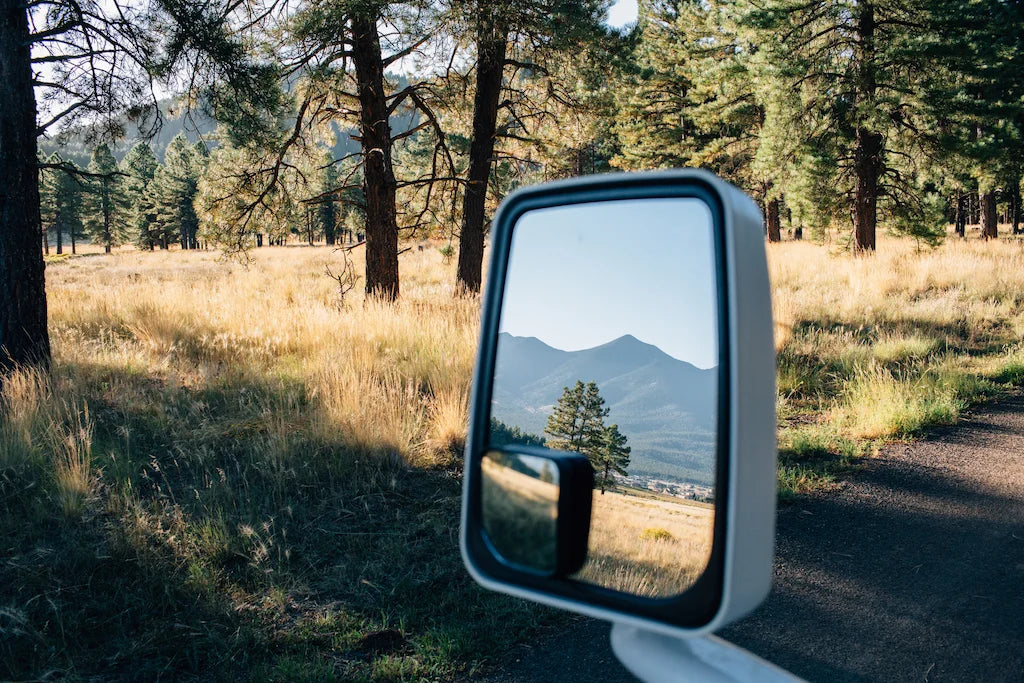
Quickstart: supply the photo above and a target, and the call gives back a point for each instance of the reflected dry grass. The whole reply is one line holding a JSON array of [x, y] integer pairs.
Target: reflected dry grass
[[647, 545], [519, 515]]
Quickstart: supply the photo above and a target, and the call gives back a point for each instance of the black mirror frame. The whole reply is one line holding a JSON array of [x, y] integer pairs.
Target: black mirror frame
[[696, 606]]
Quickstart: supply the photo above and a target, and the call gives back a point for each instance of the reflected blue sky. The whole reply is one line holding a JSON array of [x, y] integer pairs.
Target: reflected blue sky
[[583, 275]]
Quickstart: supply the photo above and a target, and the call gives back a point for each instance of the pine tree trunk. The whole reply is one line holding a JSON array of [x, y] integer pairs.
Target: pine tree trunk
[[1015, 206], [974, 208], [491, 48], [960, 219], [107, 220], [989, 227], [772, 221], [60, 236], [24, 339], [46, 241], [74, 249], [867, 166], [329, 230], [379, 185], [867, 157]]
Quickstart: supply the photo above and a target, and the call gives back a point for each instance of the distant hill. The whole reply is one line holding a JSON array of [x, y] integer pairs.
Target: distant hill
[[72, 146], [665, 407]]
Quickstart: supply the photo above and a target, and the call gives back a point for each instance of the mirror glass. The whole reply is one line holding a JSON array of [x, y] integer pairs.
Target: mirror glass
[[608, 347], [519, 495]]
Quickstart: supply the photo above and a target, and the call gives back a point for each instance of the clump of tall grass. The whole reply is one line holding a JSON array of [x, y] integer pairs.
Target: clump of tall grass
[[24, 403], [70, 442]]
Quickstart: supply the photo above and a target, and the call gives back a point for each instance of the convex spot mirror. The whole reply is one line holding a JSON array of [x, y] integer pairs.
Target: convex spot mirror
[[621, 454]]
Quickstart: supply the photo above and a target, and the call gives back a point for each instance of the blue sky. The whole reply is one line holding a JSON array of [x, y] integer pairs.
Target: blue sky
[[622, 12], [583, 275]]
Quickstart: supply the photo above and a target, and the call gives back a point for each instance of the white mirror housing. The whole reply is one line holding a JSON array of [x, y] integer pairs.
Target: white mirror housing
[[739, 575]]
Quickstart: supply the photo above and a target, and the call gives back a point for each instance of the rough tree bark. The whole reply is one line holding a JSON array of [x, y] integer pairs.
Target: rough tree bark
[[960, 219], [492, 43], [329, 229], [989, 227], [1015, 206], [379, 185], [24, 339], [772, 222], [867, 163], [106, 201]]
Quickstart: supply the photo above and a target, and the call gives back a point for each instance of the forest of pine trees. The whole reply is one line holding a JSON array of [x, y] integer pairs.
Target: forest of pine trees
[[841, 117], [837, 117]]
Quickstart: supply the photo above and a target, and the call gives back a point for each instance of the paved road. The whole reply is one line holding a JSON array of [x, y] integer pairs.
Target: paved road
[[914, 571]]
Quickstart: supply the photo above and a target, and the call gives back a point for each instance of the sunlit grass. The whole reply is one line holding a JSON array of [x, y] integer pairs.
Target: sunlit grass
[[223, 455], [235, 472], [886, 347]]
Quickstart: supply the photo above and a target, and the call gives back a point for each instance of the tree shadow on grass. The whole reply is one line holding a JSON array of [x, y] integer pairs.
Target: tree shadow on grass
[[80, 600], [225, 539]]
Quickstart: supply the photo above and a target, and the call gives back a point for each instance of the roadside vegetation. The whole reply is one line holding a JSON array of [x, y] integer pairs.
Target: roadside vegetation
[[882, 349], [232, 473]]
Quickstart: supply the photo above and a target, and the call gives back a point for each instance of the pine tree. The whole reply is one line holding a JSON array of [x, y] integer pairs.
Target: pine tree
[[139, 166], [840, 107], [327, 215], [653, 124], [176, 185], [91, 65], [510, 37], [105, 208], [975, 95], [577, 424], [611, 457], [61, 202]]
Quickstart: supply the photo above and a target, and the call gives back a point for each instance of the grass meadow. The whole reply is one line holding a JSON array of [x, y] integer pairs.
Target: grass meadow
[[231, 475], [872, 350], [647, 544]]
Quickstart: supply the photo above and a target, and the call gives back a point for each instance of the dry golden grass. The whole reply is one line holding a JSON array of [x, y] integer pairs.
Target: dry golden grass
[[252, 453], [255, 452], [386, 379], [646, 545], [882, 347], [71, 445]]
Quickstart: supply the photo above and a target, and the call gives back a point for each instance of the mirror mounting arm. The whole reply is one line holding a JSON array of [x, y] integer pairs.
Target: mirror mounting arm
[[655, 656]]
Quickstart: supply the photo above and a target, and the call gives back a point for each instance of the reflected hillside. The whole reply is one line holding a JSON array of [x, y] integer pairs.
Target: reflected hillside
[[666, 407]]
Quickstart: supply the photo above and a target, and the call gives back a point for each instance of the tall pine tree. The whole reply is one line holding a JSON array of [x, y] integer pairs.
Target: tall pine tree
[[139, 167], [105, 208], [577, 424]]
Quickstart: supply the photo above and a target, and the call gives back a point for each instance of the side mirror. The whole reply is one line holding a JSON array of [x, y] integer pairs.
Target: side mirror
[[621, 452]]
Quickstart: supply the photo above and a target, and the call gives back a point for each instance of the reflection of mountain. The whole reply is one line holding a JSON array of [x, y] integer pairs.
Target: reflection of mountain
[[665, 407]]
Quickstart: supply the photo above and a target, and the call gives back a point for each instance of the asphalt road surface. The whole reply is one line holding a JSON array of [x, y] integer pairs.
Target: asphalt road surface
[[914, 571]]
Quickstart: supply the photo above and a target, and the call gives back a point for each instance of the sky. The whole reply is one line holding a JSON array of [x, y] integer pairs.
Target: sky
[[622, 12], [583, 275]]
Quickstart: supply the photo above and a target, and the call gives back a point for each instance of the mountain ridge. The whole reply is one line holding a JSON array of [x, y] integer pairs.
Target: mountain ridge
[[662, 404]]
